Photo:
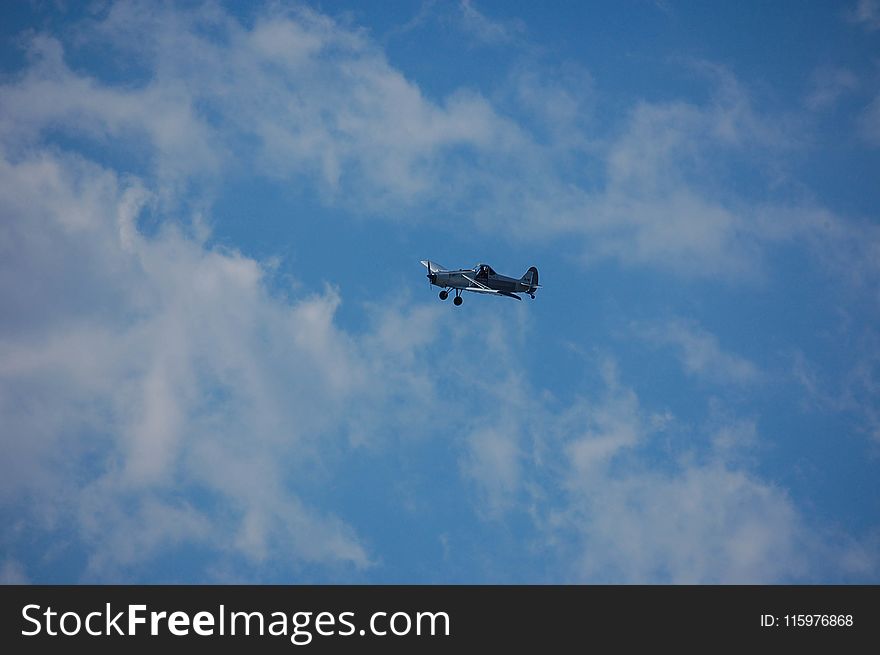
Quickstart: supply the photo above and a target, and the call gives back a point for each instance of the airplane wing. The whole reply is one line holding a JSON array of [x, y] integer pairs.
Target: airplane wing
[[494, 292], [482, 288], [479, 285]]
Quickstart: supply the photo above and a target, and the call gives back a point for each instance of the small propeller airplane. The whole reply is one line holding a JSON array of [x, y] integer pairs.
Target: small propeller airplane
[[480, 279]]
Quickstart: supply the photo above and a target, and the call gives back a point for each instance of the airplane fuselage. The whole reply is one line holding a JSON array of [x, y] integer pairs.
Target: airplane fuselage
[[460, 280], [481, 279]]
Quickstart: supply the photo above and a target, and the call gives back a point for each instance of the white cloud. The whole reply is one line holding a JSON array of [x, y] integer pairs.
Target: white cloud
[[613, 427], [702, 524], [297, 95], [869, 122], [493, 462], [829, 85], [157, 120], [733, 437], [12, 572], [866, 13], [665, 204], [485, 29], [626, 518], [851, 388], [463, 18], [169, 367], [610, 510], [562, 102], [700, 354]]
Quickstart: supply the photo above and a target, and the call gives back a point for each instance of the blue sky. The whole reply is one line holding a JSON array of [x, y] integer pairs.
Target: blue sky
[[220, 360]]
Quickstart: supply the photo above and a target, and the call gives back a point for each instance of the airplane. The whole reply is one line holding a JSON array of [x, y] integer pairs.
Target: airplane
[[480, 279]]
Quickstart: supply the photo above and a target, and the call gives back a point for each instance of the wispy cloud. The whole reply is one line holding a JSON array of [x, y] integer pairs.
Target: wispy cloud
[[704, 524], [699, 519], [866, 13], [296, 95], [610, 511], [829, 85], [851, 390], [487, 30], [869, 122], [12, 572], [699, 352]]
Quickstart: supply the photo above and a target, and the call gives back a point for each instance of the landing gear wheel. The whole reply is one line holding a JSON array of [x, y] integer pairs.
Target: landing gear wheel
[[457, 300], [444, 294]]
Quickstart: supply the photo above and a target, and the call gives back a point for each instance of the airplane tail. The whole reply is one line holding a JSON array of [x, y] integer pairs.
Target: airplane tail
[[531, 278]]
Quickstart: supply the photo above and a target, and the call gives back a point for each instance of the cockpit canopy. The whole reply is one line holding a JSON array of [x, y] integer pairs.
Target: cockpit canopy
[[484, 269]]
